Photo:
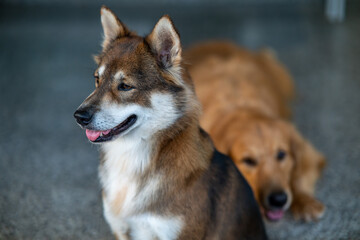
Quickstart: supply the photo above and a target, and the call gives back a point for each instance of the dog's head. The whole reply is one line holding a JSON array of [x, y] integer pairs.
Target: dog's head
[[271, 154], [139, 82]]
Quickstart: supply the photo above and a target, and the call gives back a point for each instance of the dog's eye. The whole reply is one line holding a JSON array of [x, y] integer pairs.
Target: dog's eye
[[124, 87], [96, 80], [249, 161], [281, 154]]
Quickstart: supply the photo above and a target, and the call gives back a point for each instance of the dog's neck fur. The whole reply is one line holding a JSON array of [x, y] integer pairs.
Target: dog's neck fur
[[189, 149], [143, 166], [183, 140]]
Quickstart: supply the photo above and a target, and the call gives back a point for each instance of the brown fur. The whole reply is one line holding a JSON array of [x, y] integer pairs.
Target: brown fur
[[245, 98], [196, 183]]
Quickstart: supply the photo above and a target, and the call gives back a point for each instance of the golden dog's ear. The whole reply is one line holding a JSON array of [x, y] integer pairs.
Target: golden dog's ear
[[164, 41], [112, 26], [308, 161]]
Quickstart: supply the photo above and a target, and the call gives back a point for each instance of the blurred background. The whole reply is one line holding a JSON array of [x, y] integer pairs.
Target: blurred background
[[49, 187]]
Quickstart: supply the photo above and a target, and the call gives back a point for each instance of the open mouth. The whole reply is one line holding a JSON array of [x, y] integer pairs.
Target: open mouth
[[274, 215], [103, 136]]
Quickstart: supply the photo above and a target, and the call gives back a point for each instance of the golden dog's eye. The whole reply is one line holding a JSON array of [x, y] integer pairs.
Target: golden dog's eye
[[124, 87], [281, 154], [249, 161]]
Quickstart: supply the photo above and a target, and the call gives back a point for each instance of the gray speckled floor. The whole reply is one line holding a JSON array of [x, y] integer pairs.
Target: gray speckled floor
[[48, 171]]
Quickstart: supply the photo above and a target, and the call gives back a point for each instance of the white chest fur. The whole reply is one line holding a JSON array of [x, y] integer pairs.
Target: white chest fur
[[125, 159], [144, 226]]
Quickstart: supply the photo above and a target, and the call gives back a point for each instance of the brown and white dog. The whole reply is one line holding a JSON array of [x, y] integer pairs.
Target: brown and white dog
[[245, 98], [160, 174]]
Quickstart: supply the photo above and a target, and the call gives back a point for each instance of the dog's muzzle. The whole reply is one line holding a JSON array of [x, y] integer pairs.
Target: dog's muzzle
[[83, 116]]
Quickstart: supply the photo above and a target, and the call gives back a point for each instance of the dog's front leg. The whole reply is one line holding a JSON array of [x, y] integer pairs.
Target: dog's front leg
[[306, 207], [121, 231], [119, 227], [121, 237], [308, 167]]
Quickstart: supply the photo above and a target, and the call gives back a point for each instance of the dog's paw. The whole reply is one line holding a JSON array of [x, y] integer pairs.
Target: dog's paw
[[307, 208]]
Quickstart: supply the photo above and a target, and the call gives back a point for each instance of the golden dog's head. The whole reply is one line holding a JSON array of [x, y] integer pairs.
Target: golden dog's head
[[270, 153]]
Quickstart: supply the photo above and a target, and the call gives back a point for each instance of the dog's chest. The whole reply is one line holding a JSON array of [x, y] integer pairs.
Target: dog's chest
[[126, 198], [123, 164]]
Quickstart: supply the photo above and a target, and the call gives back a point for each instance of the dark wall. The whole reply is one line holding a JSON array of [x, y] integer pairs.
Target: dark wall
[[150, 2]]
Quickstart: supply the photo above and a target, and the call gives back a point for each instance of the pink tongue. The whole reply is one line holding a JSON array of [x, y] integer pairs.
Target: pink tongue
[[93, 135], [275, 215]]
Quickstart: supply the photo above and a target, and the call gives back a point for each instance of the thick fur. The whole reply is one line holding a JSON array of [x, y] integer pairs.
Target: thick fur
[[245, 98], [161, 177]]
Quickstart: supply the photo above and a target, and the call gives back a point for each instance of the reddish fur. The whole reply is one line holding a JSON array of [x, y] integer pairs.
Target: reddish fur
[[245, 98]]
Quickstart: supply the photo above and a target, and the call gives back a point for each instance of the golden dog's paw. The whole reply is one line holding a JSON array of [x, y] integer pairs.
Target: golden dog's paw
[[307, 208]]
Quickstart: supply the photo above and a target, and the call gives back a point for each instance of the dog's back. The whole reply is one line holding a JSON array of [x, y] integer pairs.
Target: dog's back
[[227, 189], [252, 79]]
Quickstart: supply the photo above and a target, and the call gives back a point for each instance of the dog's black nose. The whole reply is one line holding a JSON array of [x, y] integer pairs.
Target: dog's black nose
[[83, 117], [277, 199]]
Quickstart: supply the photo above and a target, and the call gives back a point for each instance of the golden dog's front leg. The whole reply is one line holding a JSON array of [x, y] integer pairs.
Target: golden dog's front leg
[[306, 207], [309, 164]]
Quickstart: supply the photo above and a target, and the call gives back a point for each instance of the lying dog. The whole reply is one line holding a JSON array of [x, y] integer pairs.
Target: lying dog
[[160, 174], [245, 99]]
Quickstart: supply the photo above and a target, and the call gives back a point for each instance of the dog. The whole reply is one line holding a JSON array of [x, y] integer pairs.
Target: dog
[[160, 173], [245, 98]]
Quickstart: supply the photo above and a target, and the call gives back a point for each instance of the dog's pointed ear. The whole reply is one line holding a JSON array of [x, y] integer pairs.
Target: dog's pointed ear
[[112, 26], [164, 41]]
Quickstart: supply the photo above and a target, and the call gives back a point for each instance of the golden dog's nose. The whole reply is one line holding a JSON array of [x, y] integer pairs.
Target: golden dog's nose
[[277, 199]]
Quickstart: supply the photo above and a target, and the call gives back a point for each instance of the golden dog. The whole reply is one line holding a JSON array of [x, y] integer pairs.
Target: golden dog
[[245, 98]]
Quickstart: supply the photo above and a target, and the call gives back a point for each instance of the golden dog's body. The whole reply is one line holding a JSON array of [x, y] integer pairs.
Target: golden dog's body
[[245, 98]]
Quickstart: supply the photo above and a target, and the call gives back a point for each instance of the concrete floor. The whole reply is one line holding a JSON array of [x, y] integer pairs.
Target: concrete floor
[[49, 187]]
